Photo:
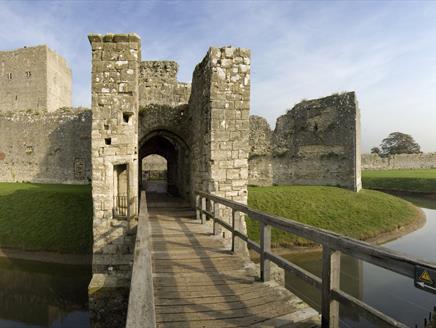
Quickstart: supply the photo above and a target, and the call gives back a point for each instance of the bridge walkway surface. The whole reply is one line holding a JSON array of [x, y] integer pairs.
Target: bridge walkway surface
[[199, 283]]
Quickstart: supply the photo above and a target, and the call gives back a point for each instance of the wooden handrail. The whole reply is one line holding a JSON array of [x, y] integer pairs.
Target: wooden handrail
[[141, 308], [333, 245]]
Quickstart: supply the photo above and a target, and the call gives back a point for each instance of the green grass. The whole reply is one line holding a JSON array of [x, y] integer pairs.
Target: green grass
[[358, 215], [40, 217], [422, 180]]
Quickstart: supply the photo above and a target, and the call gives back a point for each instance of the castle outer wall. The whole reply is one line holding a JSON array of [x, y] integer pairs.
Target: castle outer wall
[[399, 162], [46, 147]]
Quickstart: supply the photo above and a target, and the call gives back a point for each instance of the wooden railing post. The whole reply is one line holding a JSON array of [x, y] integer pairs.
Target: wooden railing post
[[265, 245], [235, 216], [197, 207], [203, 208], [215, 212], [331, 269]]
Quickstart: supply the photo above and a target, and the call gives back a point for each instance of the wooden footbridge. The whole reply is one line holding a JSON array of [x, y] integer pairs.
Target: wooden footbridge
[[183, 276]]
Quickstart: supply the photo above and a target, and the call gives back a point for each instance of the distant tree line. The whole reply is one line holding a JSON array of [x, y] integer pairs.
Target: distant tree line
[[397, 143]]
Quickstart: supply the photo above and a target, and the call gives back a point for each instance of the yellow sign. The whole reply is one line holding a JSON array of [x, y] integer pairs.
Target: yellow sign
[[425, 276]]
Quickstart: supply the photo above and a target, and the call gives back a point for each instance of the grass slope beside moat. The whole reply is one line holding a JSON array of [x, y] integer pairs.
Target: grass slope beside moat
[[360, 215], [40, 217], [420, 180]]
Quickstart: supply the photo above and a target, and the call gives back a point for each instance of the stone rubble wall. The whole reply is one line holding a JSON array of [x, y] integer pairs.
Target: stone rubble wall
[[315, 143], [219, 108], [260, 161], [51, 148], [158, 85], [401, 161]]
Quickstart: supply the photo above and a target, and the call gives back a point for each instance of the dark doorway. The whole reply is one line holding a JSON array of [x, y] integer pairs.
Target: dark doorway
[[161, 146]]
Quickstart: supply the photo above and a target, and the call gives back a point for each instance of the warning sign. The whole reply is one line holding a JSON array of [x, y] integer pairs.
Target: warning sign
[[425, 279]]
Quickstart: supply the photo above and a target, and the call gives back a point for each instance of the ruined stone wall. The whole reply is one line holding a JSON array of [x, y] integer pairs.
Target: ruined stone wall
[[164, 115], [200, 112], [34, 78], [403, 161], [318, 142], [219, 107], [115, 71], [51, 147], [315, 143], [260, 160], [59, 82], [158, 85]]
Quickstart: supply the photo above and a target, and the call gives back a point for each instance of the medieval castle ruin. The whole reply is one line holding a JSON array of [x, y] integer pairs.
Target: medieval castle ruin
[[203, 130], [314, 143]]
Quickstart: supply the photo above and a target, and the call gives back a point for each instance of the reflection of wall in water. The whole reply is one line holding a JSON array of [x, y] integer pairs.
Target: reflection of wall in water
[[40, 298], [351, 279]]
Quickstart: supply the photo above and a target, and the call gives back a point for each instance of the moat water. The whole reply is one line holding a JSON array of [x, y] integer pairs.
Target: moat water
[[34, 294], [388, 292]]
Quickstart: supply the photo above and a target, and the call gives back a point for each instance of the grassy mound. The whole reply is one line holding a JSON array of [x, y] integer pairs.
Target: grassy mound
[[422, 180], [359, 215], [46, 217]]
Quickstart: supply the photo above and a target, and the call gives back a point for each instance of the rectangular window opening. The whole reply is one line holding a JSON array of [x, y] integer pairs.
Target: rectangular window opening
[[108, 141], [121, 191], [126, 116]]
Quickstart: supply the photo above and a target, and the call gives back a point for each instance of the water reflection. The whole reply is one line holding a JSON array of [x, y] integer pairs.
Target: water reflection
[[34, 294], [391, 293]]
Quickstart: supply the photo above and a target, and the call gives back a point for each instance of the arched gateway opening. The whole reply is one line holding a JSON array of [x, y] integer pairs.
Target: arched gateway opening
[[155, 174], [175, 152]]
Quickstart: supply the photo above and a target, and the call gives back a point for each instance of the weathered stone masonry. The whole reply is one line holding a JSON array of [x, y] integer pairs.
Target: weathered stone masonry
[[34, 78], [402, 161], [317, 142], [219, 109], [43, 147], [115, 70]]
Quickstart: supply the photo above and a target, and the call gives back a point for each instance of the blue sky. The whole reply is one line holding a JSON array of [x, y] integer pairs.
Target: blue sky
[[385, 51]]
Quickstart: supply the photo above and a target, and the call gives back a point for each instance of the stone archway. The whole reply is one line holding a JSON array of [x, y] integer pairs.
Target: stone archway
[[177, 154]]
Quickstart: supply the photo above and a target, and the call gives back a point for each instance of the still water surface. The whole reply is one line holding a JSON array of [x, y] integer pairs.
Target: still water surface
[[391, 293], [34, 294]]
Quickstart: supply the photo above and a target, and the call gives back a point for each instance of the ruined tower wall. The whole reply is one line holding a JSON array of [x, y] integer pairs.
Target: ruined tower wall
[[59, 83], [315, 143], [219, 106], [52, 147], [115, 70], [34, 78], [158, 85], [200, 112], [260, 160]]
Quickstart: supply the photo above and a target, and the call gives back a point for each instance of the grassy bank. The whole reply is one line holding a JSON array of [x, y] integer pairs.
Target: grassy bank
[[360, 215], [40, 217], [423, 181]]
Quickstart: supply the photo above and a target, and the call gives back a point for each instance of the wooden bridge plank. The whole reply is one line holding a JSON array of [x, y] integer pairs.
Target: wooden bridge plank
[[197, 283]]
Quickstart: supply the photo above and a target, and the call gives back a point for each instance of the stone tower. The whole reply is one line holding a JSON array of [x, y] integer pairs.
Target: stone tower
[[115, 67], [34, 78]]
